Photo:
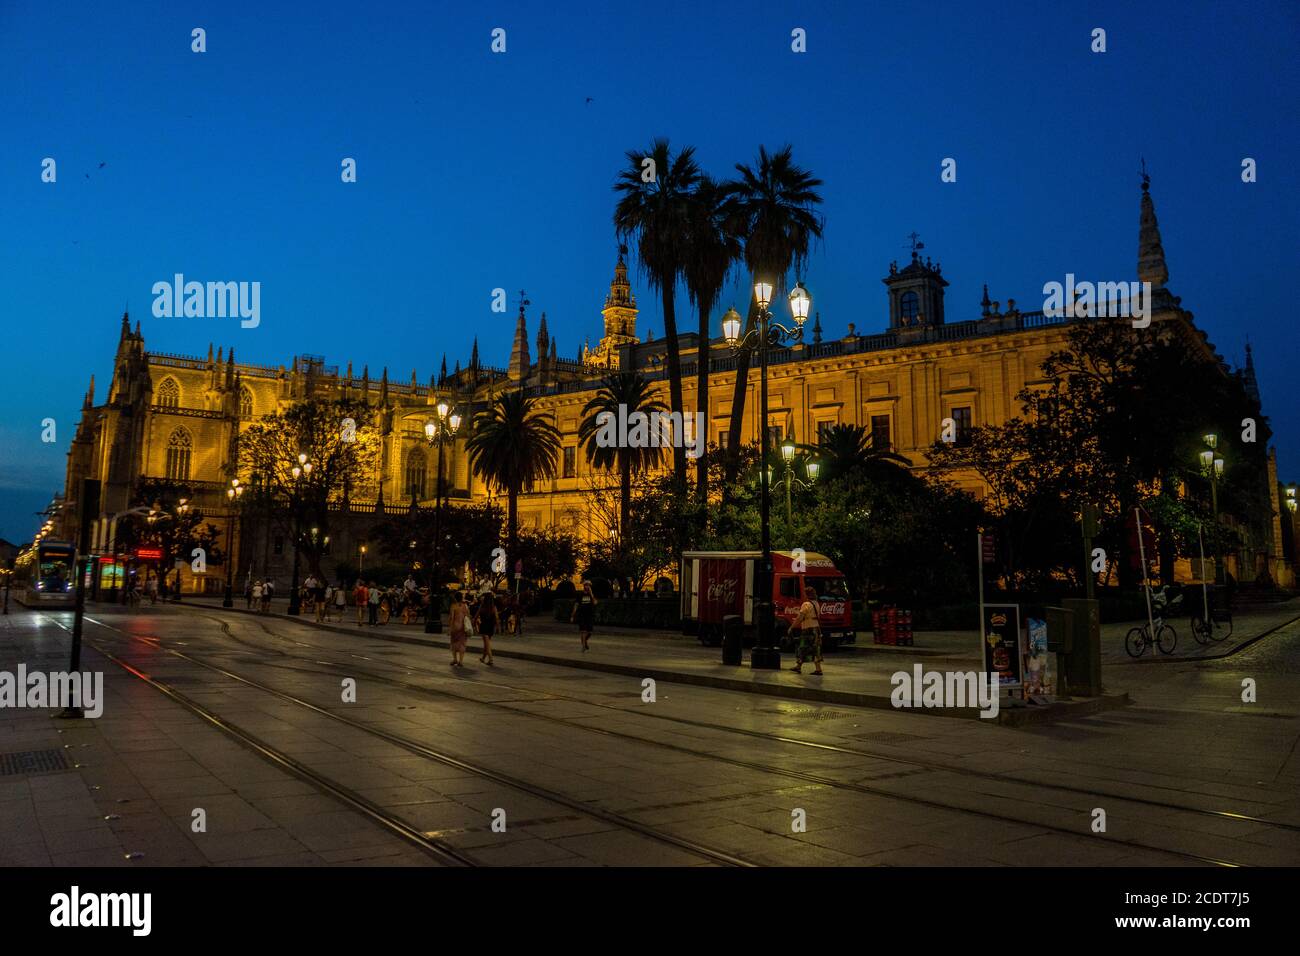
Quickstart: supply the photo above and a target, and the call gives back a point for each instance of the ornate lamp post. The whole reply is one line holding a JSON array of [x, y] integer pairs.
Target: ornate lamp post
[[767, 334], [1212, 466], [234, 494], [438, 431], [301, 470], [788, 477]]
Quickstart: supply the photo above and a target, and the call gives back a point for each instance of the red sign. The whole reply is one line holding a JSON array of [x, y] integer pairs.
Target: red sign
[[148, 554], [990, 546]]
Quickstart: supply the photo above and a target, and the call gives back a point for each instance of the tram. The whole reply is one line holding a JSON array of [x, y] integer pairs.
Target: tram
[[45, 575]]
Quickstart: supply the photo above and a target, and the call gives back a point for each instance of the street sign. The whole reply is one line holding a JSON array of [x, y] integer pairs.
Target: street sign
[[1002, 643], [148, 554], [989, 547]]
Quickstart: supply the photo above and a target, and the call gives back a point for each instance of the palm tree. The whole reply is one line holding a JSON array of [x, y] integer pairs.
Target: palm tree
[[772, 208], [711, 249], [656, 214], [633, 392], [842, 449], [510, 447]]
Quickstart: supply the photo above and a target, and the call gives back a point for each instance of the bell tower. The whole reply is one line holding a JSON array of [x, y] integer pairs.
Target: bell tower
[[620, 317], [915, 292]]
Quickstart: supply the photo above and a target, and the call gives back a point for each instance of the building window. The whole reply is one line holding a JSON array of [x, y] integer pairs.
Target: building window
[[245, 403], [880, 432], [179, 447], [823, 431], [724, 438], [415, 474], [909, 306], [168, 394], [570, 461], [962, 421], [774, 435]]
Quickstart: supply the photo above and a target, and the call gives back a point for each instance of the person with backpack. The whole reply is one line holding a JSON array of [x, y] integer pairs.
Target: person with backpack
[[810, 634], [485, 622]]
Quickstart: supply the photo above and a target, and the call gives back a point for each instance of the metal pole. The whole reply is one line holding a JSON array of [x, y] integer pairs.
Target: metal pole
[[1214, 502], [1205, 595], [228, 600], [295, 605], [789, 474], [765, 624], [1146, 580], [433, 619], [979, 576]]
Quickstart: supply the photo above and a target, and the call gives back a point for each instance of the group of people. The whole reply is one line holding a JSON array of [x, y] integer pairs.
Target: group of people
[[258, 594]]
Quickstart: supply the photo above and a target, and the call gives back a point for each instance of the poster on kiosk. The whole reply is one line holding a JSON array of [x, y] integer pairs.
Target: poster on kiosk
[[1002, 651]]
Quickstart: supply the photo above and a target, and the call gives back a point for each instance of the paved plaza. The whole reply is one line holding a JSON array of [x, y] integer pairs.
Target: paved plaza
[[246, 722]]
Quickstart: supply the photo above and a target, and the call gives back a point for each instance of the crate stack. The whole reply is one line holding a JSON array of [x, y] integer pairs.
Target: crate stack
[[889, 625]]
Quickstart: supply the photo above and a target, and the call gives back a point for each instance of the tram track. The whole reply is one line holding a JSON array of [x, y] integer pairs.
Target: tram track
[[803, 776], [390, 821], [793, 741]]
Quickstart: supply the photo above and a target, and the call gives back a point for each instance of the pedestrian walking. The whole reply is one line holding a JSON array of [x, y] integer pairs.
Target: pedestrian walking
[[257, 597], [361, 598], [373, 597], [810, 634], [341, 601], [248, 593], [458, 619], [268, 592], [325, 599], [485, 622], [584, 613]]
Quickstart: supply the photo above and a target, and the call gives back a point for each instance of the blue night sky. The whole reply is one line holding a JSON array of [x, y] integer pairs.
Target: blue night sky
[[478, 170]]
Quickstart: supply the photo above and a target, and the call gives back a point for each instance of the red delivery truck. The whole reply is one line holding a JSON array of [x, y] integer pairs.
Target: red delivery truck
[[716, 584]]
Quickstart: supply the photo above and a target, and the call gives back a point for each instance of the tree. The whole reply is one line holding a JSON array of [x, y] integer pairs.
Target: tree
[[653, 209], [469, 533], [844, 448], [549, 555], [342, 443], [509, 447], [771, 206], [620, 394], [712, 248], [174, 530]]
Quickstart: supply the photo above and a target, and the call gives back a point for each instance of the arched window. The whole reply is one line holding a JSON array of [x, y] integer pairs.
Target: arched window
[[245, 403], [415, 474], [910, 305], [169, 393], [179, 447]]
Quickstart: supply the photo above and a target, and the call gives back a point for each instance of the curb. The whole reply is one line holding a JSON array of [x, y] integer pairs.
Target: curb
[[1209, 657], [1007, 716]]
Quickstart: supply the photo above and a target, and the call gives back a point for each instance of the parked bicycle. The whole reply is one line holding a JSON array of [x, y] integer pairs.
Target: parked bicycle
[[1165, 637], [1217, 628]]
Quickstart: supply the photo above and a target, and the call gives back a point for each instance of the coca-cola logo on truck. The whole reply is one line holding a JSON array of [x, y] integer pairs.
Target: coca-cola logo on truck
[[724, 590], [832, 610]]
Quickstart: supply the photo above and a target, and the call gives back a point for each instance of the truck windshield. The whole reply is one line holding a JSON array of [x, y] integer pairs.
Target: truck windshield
[[833, 588]]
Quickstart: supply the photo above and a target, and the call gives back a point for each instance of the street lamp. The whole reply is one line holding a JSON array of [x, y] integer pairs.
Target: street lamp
[[767, 334], [1290, 500], [300, 471], [438, 431], [234, 494], [788, 477], [1212, 467]]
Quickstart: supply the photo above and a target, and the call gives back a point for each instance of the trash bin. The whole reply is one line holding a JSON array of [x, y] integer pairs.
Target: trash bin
[[733, 629]]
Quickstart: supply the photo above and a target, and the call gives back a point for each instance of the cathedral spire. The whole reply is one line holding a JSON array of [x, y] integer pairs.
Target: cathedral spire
[[90, 392], [984, 302], [519, 358], [383, 387], [542, 339], [1151, 254], [126, 326], [442, 372], [1249, 381]]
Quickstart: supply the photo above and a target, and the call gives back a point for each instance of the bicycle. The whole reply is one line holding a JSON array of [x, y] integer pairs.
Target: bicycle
[[1217, 628], [1139, 639]]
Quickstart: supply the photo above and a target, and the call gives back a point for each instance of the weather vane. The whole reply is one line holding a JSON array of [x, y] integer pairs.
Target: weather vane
[[917, 244]]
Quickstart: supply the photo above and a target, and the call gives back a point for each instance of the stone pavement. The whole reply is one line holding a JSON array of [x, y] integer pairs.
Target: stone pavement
[[120, 790]]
